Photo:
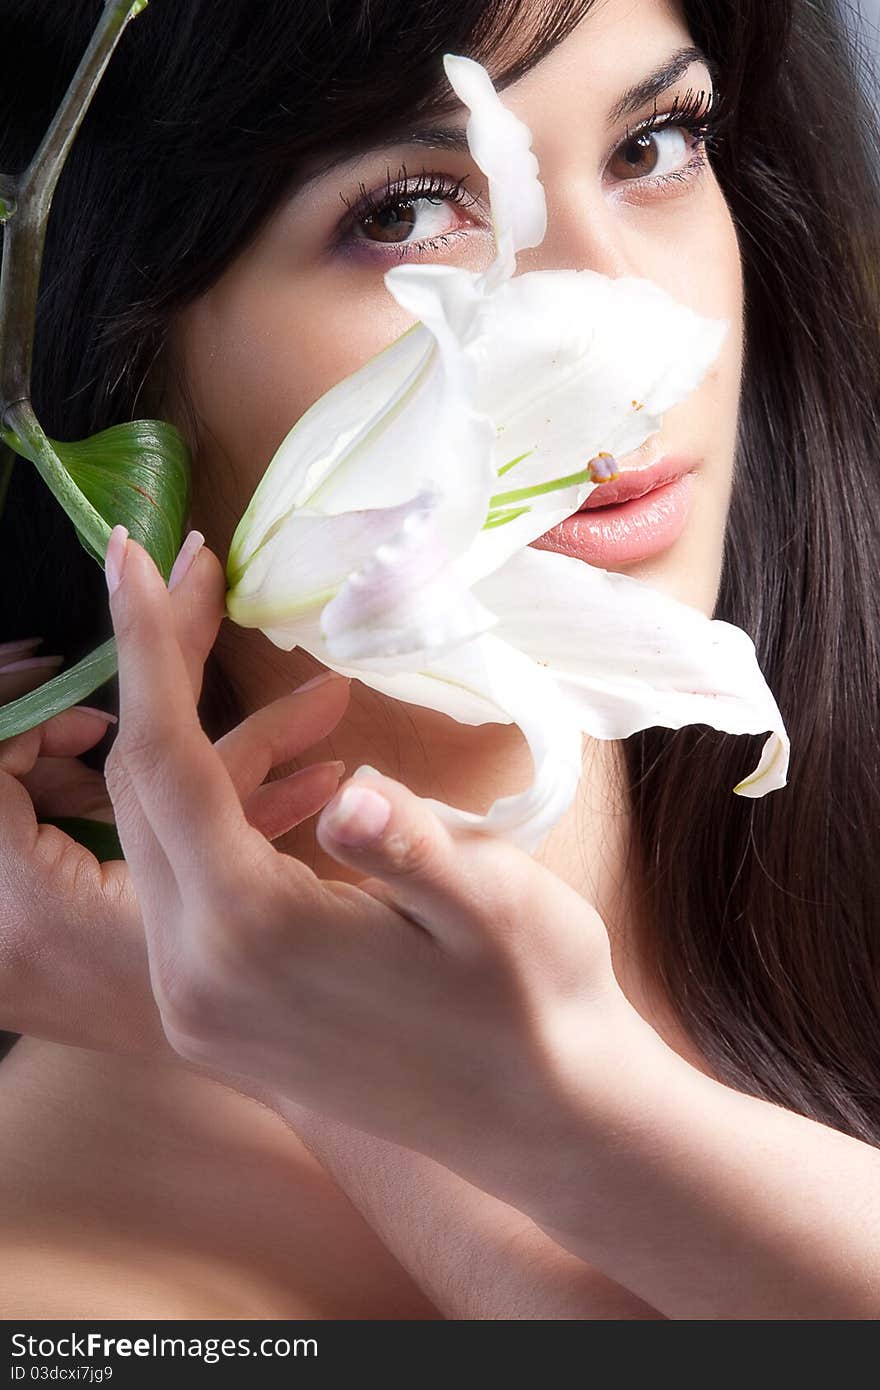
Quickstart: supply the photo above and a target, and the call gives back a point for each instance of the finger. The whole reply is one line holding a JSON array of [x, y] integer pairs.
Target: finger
[[67, 734], [464, 887], [178, 779], [277, 807], [283, 730], [198, 602], [198, 605], [67, 787], [21, 647], [21, 676], [73, 730]]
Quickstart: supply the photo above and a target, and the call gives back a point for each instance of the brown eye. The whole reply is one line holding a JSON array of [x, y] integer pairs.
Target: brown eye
[[399, 218], [392, 223], [650, 154]]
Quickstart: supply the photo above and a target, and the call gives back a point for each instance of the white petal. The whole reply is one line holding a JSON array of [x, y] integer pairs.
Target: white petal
[[406, 600], [572, 363], [530, 698], [500, 144], [341, 423], [431, 437], [299, 569], [630, 657], [448, 301], [487, 681]]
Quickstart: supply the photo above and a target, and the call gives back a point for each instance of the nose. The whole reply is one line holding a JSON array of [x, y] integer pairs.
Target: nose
[[583, 233]]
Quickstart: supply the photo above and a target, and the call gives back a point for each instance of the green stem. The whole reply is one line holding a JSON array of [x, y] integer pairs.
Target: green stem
[[60, 693], [8, 197], [7, 462], [32, 441], [28, 199]]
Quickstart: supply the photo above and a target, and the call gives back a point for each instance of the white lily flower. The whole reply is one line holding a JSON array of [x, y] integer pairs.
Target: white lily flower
[[387, 540]]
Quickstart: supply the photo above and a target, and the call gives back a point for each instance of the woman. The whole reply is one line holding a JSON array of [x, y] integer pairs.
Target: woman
[[231, 294]]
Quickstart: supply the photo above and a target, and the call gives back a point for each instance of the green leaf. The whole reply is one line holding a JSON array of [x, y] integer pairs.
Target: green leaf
[[97, 835], [137, 473], [68, 688]]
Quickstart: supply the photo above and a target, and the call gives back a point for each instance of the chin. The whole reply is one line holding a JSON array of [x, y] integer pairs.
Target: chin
[[690, 569], [690, 575]]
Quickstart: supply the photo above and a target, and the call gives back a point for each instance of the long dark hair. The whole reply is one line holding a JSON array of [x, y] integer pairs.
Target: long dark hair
[[763, 916]]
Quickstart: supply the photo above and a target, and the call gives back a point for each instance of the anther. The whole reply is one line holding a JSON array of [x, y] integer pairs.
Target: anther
[[603, 468]]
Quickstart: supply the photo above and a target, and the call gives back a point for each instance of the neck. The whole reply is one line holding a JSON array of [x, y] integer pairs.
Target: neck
[[464, 765]]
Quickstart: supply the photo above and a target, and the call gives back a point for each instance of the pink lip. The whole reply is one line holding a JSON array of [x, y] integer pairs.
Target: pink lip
[[634, 518], [635, 482]]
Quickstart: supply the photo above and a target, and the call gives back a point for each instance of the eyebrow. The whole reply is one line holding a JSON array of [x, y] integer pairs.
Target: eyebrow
[[449, 137], [656, 83]]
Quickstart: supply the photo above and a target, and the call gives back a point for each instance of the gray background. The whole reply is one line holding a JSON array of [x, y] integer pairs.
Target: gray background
[[871, 10], [866, 13]]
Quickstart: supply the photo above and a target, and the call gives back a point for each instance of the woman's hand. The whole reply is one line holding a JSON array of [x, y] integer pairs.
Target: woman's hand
[[442, 1003], [73, 960]]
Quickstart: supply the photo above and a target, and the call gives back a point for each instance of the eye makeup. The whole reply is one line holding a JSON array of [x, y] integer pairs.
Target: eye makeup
[[393, 208]]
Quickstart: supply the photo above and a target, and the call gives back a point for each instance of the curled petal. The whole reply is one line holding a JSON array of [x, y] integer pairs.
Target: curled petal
[[529, 697], [629, 657], [500, 144]]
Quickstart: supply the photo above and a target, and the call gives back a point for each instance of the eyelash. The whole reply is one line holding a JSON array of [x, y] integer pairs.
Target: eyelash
[[703, 122], [402, 191]]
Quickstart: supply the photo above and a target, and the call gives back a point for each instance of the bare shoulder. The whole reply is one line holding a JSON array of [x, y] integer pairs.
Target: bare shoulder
[[48, 1280], [135, 1191]]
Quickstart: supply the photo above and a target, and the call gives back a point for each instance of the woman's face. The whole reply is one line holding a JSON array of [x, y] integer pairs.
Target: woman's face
[[305, 304]]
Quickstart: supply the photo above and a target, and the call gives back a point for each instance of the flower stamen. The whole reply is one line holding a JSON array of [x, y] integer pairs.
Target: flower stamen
[[603, 468]]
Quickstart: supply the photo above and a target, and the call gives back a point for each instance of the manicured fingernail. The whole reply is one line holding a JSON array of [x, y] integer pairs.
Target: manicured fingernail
[[114, 559], [101, 713], [33, 663], [323, 679], [185, 557], [356, 816], [23, 644], [336, 768]]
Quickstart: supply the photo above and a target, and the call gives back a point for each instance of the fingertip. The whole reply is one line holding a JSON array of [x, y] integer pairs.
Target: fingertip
[[115, 557], [355, 818], [128, 562], [199, 594], [185, 558], [74, 731]]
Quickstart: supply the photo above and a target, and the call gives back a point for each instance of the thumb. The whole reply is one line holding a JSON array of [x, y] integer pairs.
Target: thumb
[[462, 887]]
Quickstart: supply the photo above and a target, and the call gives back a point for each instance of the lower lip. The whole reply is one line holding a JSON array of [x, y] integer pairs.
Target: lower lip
[[623, 534]]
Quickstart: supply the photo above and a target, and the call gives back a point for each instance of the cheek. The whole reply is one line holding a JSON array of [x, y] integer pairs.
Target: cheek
[[713, 285], [709, 279]]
